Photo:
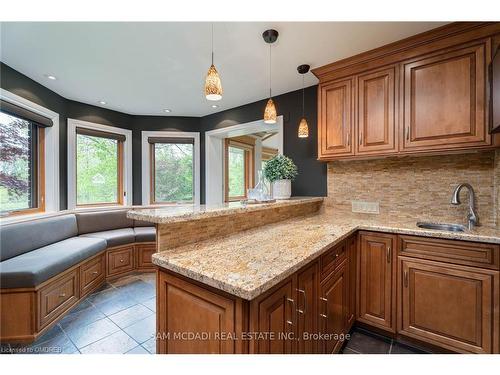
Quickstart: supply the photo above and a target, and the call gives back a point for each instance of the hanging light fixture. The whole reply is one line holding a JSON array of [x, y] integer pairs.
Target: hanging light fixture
[[213, 85], [270, 36], [303, 127]]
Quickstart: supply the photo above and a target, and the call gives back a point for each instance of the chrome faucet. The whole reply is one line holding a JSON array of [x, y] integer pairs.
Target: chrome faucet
[[455, 199]]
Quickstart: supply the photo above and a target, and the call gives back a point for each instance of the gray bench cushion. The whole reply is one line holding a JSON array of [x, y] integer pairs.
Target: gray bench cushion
[[114, 237], [91, 222], [145, 234], [35, 267], [19, 238]]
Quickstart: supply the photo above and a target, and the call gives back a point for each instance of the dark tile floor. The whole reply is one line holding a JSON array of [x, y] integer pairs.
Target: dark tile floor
[[367, 342], [118, 318]]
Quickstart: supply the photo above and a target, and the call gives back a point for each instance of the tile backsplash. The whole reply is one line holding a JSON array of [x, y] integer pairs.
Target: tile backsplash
[[419, 187]]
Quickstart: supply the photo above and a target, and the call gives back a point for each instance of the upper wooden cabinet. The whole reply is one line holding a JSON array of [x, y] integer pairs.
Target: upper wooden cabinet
[[336, 118], [444, 99], [425, 94], [376, 123]]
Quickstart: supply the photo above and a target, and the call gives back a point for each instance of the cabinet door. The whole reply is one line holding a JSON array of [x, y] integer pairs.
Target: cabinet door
[[376, 281], [333, 309], [275, 318], [187, 309], [307, 309], [352, 258], [444, 100], [450, 306], [376, 113], [336, 118]]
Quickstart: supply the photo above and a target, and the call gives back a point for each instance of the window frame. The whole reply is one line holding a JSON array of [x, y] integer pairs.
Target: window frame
[[148, 163], [124, 161], [47, 162], [249, 165]]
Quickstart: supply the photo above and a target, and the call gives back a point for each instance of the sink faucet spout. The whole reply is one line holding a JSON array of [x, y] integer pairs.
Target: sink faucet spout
[[472, 217]]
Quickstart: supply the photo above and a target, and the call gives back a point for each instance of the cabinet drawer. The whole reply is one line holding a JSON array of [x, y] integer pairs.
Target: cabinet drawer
[[144, 253], [331, 259], [120, 260], [57, 296], [450, 251], [92, 273]]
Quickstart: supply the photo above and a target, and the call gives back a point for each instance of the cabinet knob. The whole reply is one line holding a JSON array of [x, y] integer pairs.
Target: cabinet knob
[[62, 295], [121, 260], [95, 273]]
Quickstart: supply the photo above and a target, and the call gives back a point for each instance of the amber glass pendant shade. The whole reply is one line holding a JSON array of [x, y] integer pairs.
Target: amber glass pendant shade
[[303, 128], [213, 85], [270, 112]]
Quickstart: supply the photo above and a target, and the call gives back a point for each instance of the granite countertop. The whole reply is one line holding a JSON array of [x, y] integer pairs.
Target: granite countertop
[[248, 263], [188, 212]]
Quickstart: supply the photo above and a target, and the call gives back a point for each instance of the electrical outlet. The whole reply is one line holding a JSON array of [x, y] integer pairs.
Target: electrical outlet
[[365, 207]]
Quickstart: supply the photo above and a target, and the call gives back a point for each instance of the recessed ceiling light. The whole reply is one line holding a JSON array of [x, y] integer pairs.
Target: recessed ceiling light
[[49, 76], [167, 110], [215, 106], [102, 102]]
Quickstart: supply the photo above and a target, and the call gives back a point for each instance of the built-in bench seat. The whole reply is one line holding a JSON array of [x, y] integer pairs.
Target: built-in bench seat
[[47, 265]]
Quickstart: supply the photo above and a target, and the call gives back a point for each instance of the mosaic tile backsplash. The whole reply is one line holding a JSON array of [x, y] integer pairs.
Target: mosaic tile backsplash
[[419, 187]]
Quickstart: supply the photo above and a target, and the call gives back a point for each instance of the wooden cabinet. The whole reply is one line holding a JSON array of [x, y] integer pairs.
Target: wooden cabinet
[[352, 256], [274, 315], [58, 296], [333, 309], [444, 99], [144, 253], [120, 260], [186, 309], [428, 94], [336, 119], [92, 274], [450, 306], [307, 309], [377, 280], [376, 119]]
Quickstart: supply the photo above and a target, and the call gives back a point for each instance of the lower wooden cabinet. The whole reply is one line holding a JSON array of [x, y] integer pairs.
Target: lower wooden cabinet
[[377, 283], [352, 256], [307, 309], [333, 309], [143, 253], [92, 274], [192, 319], [120, 260], [450, 306]]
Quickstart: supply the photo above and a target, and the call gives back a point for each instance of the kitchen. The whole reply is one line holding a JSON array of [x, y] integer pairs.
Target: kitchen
[[302, 196]]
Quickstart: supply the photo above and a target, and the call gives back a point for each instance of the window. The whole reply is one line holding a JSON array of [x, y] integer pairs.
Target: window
[[172, 170], [99, 167], [22, 160], [239, 169], [267, 154]]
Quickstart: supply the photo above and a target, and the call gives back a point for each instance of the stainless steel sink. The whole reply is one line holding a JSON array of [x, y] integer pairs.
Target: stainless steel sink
[[446, 227]]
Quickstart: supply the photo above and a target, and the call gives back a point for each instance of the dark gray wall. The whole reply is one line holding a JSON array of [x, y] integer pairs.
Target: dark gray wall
[[312, 174]]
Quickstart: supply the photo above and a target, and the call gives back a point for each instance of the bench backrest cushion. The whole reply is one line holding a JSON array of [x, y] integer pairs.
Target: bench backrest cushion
[[20, 238], [98, 221]]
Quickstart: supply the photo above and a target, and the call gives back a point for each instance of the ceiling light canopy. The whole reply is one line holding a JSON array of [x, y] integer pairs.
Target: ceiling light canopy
[[303, 131], [270, 113], [213, 85]]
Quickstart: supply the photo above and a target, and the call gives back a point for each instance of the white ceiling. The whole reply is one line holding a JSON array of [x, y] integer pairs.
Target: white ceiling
[[143, 68]]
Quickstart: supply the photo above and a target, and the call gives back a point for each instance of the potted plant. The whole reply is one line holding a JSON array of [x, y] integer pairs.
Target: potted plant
[[280, 171]]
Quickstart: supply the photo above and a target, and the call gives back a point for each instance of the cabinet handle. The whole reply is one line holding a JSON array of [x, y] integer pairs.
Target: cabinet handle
[[95, 273], [290, 300], [405, 276], [361, 139], [326, 301], [62, 295], [348, 140], [303, 292], [388, 254], [408, 133]]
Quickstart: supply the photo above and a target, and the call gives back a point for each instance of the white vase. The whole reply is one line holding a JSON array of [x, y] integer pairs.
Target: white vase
[[282, 189]]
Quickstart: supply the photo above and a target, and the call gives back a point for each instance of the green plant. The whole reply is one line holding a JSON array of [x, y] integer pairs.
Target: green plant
[[280, 167]]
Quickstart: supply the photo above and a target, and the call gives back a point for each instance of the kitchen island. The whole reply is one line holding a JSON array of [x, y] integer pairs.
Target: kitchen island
[[299, 284]]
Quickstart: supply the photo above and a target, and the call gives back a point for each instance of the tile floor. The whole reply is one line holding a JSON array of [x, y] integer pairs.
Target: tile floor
[[367, 342], [120, 318]]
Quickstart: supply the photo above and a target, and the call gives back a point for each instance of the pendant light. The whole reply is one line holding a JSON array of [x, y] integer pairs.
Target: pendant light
[[213, 85], [270, 36], [303, 127]]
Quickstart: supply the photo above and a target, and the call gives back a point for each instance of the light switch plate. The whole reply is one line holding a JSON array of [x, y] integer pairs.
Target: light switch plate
[[365, 207]]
